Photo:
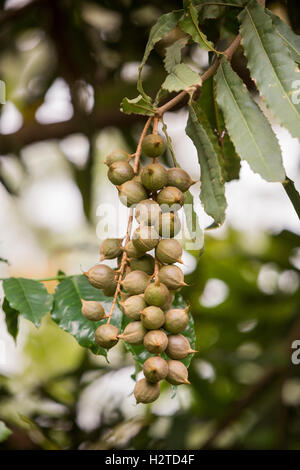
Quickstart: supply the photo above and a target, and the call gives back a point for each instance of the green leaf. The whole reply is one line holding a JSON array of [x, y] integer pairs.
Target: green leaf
[[195, 231], [67, 311], [229, 159], [291, 40], [140, 354], [60, 274], [248, 128], [233, 3], [11, 318], [138, 105], [173, 54], [189, 24], [3, 260], [4, 432], [216, 9], [271, 66], [163, 26], [181, 78], [292, 193], [29, 298], [212, 192]]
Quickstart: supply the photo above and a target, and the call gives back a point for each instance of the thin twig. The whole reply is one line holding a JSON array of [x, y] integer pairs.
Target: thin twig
[[156, 270], [155, 125], [122, 267], [228, 53], [130, 220], [139, 147]]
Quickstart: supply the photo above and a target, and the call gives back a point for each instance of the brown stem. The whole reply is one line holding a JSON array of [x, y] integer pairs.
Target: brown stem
[[122, 267], [228, 53], [139, 147], [155, 125], [130, 220], [156, 270], [170, 104], [233, 47]]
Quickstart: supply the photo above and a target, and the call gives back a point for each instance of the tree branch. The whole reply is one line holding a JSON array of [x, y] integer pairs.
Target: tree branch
[[32, 132], [205, 76], [235, 413]]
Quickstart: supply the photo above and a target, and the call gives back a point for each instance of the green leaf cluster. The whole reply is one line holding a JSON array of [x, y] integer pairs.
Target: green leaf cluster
[[225, 122]]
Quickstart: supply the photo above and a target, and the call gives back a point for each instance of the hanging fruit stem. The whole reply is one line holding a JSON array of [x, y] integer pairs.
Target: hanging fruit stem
[[139, 147], [124, 260], [155, 125], [156, 270], [122, 267]]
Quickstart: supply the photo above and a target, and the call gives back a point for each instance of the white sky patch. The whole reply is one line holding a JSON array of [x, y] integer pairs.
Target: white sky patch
[[15, 3], [57, 106], [106, 395], [54, 204], [130, 71], [11, 119], [76, 148], [215, 292], [205, 370], [253, 203]]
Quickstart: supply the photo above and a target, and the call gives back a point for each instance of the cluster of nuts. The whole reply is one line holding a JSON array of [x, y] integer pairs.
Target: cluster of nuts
[[146, 284]]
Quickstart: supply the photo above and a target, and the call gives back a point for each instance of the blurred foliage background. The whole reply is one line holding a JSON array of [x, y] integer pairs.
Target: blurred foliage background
[[67, 65]]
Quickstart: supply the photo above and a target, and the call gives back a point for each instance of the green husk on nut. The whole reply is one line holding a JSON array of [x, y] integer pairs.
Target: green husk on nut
[[145, 238], [110, 290], [134, 333], [155, 369], [106, 336], [146, 392], [169, 251], [153, 145], [178, 347], [154, 177], [168, 301], [92, 310], [172, 277], [155, 341], [168, 225], [147, 212], [135, 282], [176, 320], [100, 276], [131, 192], [145, 263], [119, 172], [170, 198], [177, 373], [152, 317], [132, 251], [116, 156], [133, 305], [156, 294], [110, 248], [180, 179]]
